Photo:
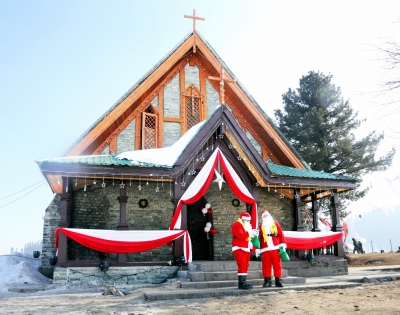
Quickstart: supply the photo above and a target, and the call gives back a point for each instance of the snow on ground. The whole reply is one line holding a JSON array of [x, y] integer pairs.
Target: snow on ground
[[20, 269]]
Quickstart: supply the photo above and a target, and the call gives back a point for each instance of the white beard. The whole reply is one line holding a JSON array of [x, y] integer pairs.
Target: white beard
[[247, 225], [267, 223]]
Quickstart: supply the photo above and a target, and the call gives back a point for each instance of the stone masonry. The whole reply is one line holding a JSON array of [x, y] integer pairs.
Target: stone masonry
[[172, 98], [212, 99], [192, 76], [126, 139]]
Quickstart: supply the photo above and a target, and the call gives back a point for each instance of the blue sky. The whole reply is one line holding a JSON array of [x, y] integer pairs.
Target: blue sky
[[64, 63]]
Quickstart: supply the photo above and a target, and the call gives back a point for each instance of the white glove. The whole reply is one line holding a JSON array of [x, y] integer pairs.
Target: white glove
[[253, 232], [258, 252]]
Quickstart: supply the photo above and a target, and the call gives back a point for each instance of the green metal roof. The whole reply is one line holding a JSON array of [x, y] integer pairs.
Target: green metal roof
[[101, 160], [282, 170]]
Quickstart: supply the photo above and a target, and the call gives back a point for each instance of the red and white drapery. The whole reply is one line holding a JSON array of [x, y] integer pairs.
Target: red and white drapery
[[310, 240], [111, 241], [202, 182]]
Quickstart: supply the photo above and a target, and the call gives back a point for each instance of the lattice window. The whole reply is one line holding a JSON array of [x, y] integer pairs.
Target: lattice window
[[149, 130], [193, 106]]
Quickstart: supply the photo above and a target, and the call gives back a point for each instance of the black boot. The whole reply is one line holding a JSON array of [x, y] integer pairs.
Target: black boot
[[267, 282], [278, 283], [243, 284]]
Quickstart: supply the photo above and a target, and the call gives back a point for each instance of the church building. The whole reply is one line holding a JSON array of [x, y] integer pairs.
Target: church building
[[134, 168]]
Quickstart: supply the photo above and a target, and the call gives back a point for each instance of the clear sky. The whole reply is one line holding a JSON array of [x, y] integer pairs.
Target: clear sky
[[64, 63]]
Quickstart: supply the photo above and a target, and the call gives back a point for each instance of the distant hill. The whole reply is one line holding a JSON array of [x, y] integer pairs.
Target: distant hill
[[378, 227]]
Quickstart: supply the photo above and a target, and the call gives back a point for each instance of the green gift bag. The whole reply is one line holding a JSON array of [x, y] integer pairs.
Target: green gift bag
[[256, 242], [284, 255]]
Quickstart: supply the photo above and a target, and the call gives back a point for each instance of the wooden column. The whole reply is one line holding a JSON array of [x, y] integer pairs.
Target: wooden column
[[178, 243], [297, 205], [123, 198], [65, 197], [336, 225], [315, 209]]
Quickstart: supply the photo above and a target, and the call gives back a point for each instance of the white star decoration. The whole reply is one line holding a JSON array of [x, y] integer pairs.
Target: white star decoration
[[219, 179], [103, 185]]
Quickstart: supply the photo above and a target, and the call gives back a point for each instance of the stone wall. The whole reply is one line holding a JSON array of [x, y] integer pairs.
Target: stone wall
[[98, 208], [172, 133], [212, 99], [126, 139], [224, 214], [52, 217], [192, 76], [172, 98], [281, 209], [118, 276]]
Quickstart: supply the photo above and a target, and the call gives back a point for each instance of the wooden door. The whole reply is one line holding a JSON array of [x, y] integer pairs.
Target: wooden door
[[202, 247]]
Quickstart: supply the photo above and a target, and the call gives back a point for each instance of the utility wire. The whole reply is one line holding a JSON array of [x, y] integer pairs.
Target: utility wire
[[21, 196], [22, 190]]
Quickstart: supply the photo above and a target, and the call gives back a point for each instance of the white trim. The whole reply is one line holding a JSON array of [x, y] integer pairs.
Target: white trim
[[242, 248], [273, 247]]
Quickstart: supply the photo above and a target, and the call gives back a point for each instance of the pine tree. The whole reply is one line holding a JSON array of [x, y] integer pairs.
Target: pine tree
[[320, 124]]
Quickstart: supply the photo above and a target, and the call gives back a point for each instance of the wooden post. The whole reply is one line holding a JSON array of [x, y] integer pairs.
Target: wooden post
[[222, 79], [298, 204], [62, 239], [315, 209], [336, 225], [178, 243], [123, 198]]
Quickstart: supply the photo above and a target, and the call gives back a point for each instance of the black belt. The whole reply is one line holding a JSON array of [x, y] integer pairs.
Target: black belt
[[273, 235]]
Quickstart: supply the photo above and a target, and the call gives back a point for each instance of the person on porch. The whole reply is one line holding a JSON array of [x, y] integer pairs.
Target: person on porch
[[242, 233], [272, 242]]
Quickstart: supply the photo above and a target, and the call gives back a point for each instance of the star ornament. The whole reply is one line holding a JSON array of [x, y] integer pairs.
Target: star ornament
[[219, 179]]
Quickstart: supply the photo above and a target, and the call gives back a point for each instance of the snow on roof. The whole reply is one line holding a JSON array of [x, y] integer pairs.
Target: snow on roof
[[163, 156]]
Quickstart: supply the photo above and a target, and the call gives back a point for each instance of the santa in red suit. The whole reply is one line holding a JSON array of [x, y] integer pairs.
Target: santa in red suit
[[242, 233], [271, 239]]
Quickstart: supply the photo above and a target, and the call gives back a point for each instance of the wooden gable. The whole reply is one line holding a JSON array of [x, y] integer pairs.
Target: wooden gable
[[193, 105]]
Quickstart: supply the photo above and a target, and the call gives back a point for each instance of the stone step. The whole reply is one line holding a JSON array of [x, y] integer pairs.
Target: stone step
[[234, 291], [224, 265], [232, 283], [198, 276]]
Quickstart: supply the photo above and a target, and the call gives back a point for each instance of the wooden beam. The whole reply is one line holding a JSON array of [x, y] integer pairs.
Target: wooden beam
[[130, 99], [251, 107]]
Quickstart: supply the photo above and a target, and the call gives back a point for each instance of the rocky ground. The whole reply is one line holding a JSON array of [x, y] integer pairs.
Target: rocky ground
[[368, 298]]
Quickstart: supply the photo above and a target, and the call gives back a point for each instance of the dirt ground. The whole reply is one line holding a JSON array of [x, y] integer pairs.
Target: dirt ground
[[368, 298], [373, 259]]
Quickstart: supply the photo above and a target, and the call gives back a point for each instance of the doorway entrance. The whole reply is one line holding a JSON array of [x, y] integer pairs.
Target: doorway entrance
[[202, 247]]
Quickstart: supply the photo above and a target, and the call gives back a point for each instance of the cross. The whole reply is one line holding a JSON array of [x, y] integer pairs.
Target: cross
[[222, 80], [194, 17]]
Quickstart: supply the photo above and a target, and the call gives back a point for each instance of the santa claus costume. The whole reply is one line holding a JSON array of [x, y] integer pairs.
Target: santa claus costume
[[242, 232], [271, 239]]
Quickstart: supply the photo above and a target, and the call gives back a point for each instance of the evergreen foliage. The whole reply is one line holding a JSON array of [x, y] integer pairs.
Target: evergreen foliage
[[320, 124]]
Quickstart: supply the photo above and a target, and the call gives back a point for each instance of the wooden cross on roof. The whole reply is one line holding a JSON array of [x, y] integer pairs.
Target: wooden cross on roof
[[194, 18], [222, 80]]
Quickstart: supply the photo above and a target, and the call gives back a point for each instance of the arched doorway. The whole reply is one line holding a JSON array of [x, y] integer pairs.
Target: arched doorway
[[202, 247]]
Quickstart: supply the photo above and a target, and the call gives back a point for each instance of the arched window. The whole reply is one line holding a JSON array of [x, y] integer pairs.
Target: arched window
[[149, 129], [193, 106]]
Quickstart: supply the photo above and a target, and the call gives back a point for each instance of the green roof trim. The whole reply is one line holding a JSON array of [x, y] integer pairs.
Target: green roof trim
[[98, 160], [282, 170]]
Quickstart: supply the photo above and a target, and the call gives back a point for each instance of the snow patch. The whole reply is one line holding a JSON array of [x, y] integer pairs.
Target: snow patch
[[20, 269]]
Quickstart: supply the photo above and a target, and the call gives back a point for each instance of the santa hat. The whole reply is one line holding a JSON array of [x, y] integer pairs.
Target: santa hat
[[245, 216], [265, 214]]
